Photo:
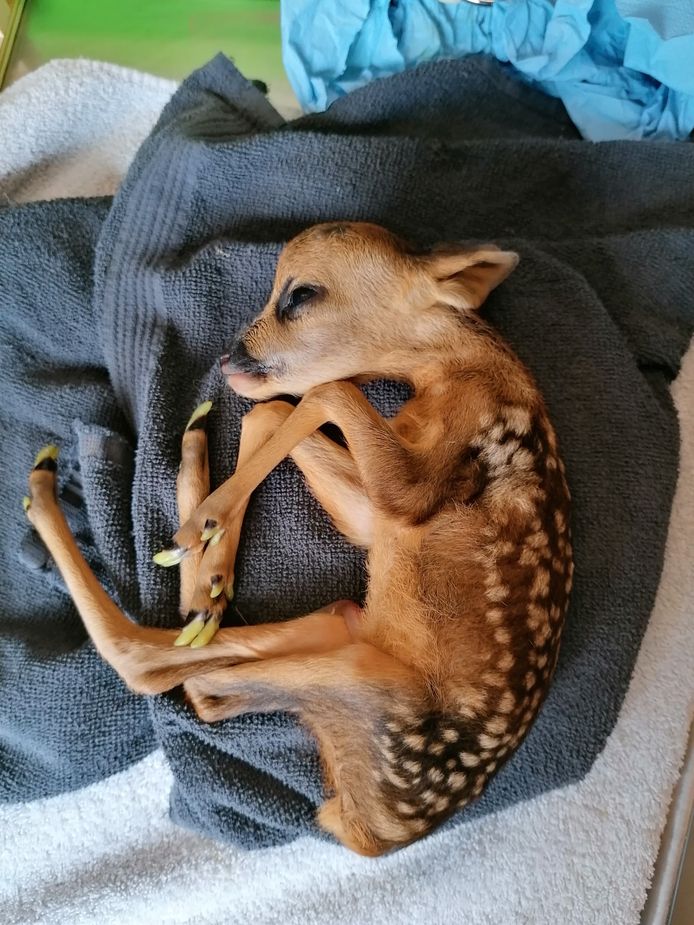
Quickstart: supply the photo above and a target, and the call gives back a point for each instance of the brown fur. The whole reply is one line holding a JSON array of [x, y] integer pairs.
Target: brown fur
[[461, 500]]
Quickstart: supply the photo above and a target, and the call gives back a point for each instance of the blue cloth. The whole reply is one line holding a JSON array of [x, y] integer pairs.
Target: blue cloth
[[621, 67]]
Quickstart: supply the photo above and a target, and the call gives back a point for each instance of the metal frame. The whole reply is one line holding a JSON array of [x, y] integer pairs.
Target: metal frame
[[9, 38], [662, 895]]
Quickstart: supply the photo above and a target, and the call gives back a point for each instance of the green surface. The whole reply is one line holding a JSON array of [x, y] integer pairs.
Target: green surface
[[165, 37]]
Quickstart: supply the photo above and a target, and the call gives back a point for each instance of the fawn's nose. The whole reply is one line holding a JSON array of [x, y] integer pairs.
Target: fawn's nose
[[239, 360]]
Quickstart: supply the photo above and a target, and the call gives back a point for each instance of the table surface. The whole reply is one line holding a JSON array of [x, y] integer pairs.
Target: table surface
[[169, 38]]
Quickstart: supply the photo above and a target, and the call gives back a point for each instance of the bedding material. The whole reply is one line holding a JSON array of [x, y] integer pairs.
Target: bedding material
[[80, 122], [110, 853], [622, 68], [600, 309]]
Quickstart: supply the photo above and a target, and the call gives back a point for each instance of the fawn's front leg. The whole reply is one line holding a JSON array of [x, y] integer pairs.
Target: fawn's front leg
[[330, 474], [384, 465]]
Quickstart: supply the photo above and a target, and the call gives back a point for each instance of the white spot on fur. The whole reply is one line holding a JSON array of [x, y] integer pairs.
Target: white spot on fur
[[522, 729], [537, 540], [405, 809], [529, 680], [469, 760], [435, 775], [450, 735], [457, 780], [395, 780], [506, 661], [498, 593], [529, 557], [497, 455], [536, 616], [506, 702], [436, 748], [487, 741], [471, 702], [497, 725], [542, 635], [495, 615], [505, 548], [517, 418], [387, 748], [540, 585], [502, 636], [496, 432], [414, 741]]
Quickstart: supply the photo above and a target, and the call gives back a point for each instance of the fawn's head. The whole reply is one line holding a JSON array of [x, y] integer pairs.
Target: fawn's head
[[352, 300]]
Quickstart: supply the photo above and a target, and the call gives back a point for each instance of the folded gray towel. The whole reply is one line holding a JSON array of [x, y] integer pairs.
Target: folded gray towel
[[66, 718], [600, 309]]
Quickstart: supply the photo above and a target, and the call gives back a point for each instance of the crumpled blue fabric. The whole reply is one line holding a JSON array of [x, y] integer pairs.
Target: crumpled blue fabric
[[623, 68]]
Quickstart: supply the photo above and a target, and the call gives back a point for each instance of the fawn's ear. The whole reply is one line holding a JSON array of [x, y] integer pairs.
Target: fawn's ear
[[465, 278]]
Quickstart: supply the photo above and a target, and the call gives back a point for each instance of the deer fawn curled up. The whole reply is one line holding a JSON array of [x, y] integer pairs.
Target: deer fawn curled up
[[417, 698]]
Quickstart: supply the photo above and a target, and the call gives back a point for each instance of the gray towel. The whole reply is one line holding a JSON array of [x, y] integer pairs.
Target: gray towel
[[600, 308]]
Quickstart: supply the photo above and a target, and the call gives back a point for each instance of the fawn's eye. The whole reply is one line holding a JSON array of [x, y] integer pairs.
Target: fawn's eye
[[291, 299], [300, 295]]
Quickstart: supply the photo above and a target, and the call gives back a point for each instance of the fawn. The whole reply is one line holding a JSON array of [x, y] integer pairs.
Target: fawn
[[461, 500]]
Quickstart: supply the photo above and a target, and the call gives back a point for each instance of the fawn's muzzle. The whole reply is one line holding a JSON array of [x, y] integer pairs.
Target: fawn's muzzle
[[239, 360]]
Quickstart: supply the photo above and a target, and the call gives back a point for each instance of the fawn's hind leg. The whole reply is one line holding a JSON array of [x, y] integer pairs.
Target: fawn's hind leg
[[145, 657], [358, 702]]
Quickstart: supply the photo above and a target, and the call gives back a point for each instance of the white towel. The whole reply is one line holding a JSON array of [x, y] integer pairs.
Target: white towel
[[72, 127]]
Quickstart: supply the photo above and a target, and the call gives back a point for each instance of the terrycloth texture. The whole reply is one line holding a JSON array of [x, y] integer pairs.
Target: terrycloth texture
[[621, 67], [110, 853], [185, 260], [66, 718], [72, 127]]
